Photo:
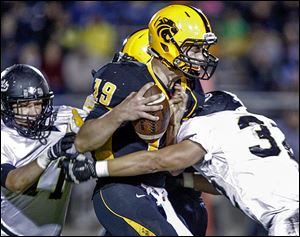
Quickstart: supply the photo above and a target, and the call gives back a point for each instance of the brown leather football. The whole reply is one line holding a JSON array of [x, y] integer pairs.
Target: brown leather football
[[149, 130]]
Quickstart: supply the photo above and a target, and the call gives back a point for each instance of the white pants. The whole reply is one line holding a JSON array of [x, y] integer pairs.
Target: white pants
[[161, 196]]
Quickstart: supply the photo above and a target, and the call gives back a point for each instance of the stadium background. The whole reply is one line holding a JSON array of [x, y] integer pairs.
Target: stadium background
[[258, 47]]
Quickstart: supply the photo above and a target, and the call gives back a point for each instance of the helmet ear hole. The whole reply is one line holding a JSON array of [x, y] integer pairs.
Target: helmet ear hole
[[164, 47]]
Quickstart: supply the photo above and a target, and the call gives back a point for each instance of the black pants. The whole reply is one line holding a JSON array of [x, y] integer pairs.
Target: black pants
[[189, 205], [127, 210]]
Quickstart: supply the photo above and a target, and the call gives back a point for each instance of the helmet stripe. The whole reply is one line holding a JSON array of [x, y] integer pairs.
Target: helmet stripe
[[204, 19]]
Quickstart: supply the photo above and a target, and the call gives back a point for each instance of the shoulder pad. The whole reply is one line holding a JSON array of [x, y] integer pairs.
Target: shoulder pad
[[121, 78], [111, 68], [217, 101]]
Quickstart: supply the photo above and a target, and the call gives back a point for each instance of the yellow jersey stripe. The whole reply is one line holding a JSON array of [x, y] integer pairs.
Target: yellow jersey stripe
[[141, 230], [157, 82], [194, 107]]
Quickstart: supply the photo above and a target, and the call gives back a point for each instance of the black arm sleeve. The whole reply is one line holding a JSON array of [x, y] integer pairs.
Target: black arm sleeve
[[5, 168]]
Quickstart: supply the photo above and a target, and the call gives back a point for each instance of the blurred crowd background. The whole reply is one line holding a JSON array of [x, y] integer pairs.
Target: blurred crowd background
[[258, 47]]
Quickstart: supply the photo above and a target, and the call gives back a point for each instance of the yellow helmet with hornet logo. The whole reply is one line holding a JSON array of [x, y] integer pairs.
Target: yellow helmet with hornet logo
[[135, 47], [180, 37]]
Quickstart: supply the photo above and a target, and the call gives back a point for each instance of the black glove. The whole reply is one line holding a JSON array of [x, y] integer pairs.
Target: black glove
[[60, 148], [79, 168]]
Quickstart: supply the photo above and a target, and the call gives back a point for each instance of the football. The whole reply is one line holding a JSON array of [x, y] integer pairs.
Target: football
[[149, 130]]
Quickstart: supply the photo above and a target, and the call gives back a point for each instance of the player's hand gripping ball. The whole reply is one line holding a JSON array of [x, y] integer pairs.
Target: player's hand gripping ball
[[149, 130]]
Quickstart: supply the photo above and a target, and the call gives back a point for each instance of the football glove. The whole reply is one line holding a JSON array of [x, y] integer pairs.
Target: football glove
[[58, 150], [78, 168]]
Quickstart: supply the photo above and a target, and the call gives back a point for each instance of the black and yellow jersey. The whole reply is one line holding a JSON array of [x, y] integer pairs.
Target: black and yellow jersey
[[112, 84], [192, 88]]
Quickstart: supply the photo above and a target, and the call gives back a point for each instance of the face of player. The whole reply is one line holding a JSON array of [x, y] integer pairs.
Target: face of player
[[196, 53], [27, 111]]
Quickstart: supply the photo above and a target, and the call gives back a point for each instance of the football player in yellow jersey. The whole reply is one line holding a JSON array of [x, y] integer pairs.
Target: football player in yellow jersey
[[186, 201], [180, 37]]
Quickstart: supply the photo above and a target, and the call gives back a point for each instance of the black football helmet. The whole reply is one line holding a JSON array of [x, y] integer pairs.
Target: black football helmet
[[22, 83]]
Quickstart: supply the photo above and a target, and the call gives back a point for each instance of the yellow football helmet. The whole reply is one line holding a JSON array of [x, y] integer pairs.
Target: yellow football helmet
[[135, 47], [180, 37]]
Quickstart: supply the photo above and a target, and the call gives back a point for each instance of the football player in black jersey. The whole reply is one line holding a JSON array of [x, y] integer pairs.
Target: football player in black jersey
[[138, 205], [187, 202]]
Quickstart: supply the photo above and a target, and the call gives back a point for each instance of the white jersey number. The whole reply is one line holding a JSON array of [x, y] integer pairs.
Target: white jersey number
[[263, 133]]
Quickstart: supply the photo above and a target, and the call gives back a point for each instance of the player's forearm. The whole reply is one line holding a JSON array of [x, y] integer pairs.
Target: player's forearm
[[20, 179], [94, 133], [176, 157], [170, 158], [137, 163], [133, 164], [143, 162]]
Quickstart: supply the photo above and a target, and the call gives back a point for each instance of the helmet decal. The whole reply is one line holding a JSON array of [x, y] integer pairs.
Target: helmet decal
[[4, 85], [166, 28], [32, 91]]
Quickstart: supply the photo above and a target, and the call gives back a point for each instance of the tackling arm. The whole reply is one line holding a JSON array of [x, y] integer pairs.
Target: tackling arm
[[20, 179], [174, 157], [170, 158]]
